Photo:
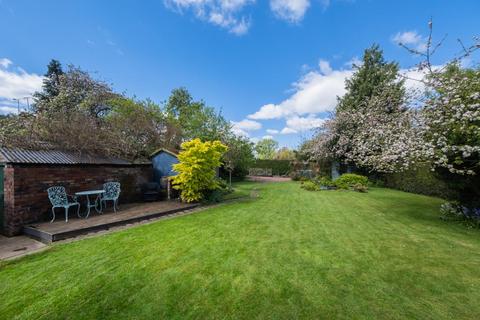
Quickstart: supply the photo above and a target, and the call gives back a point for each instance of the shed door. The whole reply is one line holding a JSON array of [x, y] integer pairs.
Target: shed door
[[1, 197]]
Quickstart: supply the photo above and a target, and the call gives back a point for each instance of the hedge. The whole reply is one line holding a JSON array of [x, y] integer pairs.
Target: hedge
[[419, 180], [279, 167]]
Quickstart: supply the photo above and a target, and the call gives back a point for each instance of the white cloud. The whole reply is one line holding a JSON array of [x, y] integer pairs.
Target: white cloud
[[267, 137], [325, 67], [411, 38], [241, 128], [8, 106], [269, 111], [272, 131], [315, 92], [248, 125], [413, 78], [296, 124], [241, 27], [5, 63], [287, 130], [231, 15], [354, 61], [304, 123], [289, 10], [227, 14], [15, 84]]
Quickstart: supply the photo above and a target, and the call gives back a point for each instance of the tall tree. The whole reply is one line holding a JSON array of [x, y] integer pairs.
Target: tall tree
[[73, 90], [194, 118], [371, 128], [51, 82], [451, 127], [266, 148], [239, 156], [285, 154], [137, 128], [370, 78]]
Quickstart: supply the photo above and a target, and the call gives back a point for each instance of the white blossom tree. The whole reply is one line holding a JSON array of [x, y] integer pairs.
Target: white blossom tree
[[372, 128], [372, 137], [451, 120]]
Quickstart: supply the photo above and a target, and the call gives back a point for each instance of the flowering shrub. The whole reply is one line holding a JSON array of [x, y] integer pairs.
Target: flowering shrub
[[197, 168]]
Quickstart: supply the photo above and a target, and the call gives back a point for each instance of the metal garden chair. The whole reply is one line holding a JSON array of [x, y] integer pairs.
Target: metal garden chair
[[59, 199], [112, 192]]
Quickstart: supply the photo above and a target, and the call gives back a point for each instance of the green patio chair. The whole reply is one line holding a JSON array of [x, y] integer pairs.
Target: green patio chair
[[112, 193], [59, 199]]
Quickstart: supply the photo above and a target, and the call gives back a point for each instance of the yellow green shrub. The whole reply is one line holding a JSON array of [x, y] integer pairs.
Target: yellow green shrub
[[196, 169]]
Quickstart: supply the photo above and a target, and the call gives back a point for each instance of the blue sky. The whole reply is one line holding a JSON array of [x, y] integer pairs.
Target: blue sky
[[273, 67]]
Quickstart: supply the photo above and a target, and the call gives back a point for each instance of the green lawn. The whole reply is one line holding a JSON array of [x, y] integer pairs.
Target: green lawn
[[287, 254]]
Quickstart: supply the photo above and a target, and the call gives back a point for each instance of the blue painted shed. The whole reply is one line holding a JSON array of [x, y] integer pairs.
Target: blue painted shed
[[163, 161]]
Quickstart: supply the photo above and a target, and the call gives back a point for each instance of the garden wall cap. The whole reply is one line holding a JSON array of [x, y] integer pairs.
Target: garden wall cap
[[24, 156]]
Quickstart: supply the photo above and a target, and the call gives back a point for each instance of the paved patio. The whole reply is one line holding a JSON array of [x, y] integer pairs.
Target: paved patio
[[267, 179], [18, 246], [129, 213]]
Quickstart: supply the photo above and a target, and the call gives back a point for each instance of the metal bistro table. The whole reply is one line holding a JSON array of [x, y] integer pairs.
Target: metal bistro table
[[97, 202]]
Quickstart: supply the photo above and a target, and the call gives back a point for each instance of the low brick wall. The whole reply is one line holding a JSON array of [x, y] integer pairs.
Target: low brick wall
[[26, 199]]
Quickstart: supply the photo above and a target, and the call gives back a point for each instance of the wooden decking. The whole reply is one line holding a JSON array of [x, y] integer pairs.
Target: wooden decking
[[128, 213]]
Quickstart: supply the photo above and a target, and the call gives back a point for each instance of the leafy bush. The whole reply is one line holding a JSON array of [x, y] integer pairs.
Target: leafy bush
[[324, 182], [349, 180], [309, 186], [360, 188], [302, 174], [295, 176], [352, 181], [454, 211], [196, 169], [217, 195]]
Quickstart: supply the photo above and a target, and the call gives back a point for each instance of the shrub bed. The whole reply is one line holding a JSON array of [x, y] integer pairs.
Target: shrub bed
[[309, 186], [348, 181], [351, 180]]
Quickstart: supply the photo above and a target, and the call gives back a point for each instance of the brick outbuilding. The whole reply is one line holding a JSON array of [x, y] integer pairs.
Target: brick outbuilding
[[26, 175]]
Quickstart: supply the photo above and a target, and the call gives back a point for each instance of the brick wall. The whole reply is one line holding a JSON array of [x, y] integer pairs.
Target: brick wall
[[26, 199]]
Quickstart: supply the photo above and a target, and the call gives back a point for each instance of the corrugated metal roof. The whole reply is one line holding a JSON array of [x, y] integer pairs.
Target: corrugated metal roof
[[15, 155]]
